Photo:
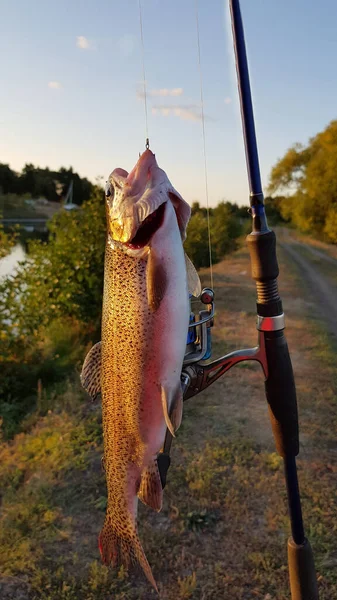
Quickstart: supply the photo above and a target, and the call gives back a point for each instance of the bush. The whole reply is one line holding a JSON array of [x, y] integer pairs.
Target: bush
[[225, 228], [50, 308]]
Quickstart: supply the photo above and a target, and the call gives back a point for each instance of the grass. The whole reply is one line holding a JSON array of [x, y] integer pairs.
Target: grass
[[223, 529]]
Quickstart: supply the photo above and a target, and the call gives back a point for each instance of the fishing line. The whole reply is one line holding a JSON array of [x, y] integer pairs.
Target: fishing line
[[147, 143], [204, 142]]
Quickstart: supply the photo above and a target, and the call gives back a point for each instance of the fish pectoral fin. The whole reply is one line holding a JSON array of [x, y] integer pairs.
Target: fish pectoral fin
[[194, 285], [172, 408], [166, 403], [91, 371], [156, 281], [177, 409], [151, 491]]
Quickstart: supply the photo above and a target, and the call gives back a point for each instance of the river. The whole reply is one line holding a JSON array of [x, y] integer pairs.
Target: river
[[9, 263]]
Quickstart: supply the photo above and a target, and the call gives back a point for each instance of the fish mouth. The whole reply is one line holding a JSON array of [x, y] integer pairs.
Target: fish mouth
[[147, 229]]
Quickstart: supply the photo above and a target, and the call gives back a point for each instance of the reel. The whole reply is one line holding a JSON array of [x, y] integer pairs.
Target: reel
[[199, 339], [196, 375]]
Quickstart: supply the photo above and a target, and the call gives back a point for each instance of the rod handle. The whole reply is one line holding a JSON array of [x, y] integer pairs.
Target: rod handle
[[303, 582], [281, 394]]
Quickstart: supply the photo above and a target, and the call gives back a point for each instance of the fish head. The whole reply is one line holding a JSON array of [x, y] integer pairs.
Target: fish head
[[135, 203]]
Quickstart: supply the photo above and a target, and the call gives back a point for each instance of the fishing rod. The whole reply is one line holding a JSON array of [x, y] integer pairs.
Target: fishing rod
[[272, 349]]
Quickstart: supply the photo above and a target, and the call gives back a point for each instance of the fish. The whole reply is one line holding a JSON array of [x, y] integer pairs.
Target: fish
[[137, 365]]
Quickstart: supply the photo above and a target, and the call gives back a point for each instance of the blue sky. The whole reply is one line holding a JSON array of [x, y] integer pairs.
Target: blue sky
[[71, 75]]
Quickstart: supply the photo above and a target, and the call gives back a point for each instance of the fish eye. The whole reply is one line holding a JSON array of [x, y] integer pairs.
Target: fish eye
[[109, 190]]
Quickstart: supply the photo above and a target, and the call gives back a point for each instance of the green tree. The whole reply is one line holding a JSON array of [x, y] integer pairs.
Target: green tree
[[225, 229], [8, 180], [308, 175], [50, 307], [273, 206], [27, 181], [82, 188], [330, 228], [62, 278], [7, 240], [196, 244], [196, 208]]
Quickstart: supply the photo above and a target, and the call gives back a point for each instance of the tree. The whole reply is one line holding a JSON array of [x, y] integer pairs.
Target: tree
[[330, 227], [82, 188], [273, 206], [225, 229], [196, 208], [37, 182], [62, 277], [8, 180], [27, 181], [308, 175], [196, 244]]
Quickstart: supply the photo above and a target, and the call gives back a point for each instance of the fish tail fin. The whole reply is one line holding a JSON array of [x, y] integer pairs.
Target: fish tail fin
[[117, 550]]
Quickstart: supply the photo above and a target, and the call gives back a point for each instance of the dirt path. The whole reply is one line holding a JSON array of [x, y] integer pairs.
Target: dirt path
[[318, 280]]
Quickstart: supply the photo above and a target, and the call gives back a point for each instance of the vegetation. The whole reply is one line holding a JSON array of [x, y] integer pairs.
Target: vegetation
[[51, 307], [7, 240], [225, 227], [225, 486], [308, 175], [36, 182]]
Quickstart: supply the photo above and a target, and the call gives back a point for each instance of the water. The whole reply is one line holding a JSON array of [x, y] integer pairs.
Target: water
[[9, 263]]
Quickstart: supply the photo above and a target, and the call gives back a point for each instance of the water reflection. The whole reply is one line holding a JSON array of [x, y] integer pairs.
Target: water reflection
[[9, 263]]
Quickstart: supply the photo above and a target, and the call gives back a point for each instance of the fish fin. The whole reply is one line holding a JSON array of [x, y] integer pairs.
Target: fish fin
[[156, 281], [176, 414], [166, 403], [194, 285], [151, 491], [117, 550], [91, 371], [173, 403]]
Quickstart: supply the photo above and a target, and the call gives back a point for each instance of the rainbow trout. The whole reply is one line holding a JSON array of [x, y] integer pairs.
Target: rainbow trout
[[137, 365]]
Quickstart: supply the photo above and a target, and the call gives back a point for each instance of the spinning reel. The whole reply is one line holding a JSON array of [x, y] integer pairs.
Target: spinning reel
[[197, 376]]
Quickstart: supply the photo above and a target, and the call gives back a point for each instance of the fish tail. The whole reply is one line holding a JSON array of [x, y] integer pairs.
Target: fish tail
[[117, 550]]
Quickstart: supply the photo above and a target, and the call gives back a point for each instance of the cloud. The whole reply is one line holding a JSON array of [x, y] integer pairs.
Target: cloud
[[228, 100], [187, 112], [161, 92], [167, 92], [54, 85], [83, 42]]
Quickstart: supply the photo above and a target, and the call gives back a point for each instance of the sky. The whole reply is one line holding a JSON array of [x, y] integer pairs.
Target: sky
[[72, 81]]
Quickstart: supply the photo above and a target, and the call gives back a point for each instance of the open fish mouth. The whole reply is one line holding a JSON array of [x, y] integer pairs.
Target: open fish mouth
[[147, 229]]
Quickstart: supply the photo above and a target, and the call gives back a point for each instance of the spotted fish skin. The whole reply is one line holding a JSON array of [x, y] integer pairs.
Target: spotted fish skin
[[144, 328]]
